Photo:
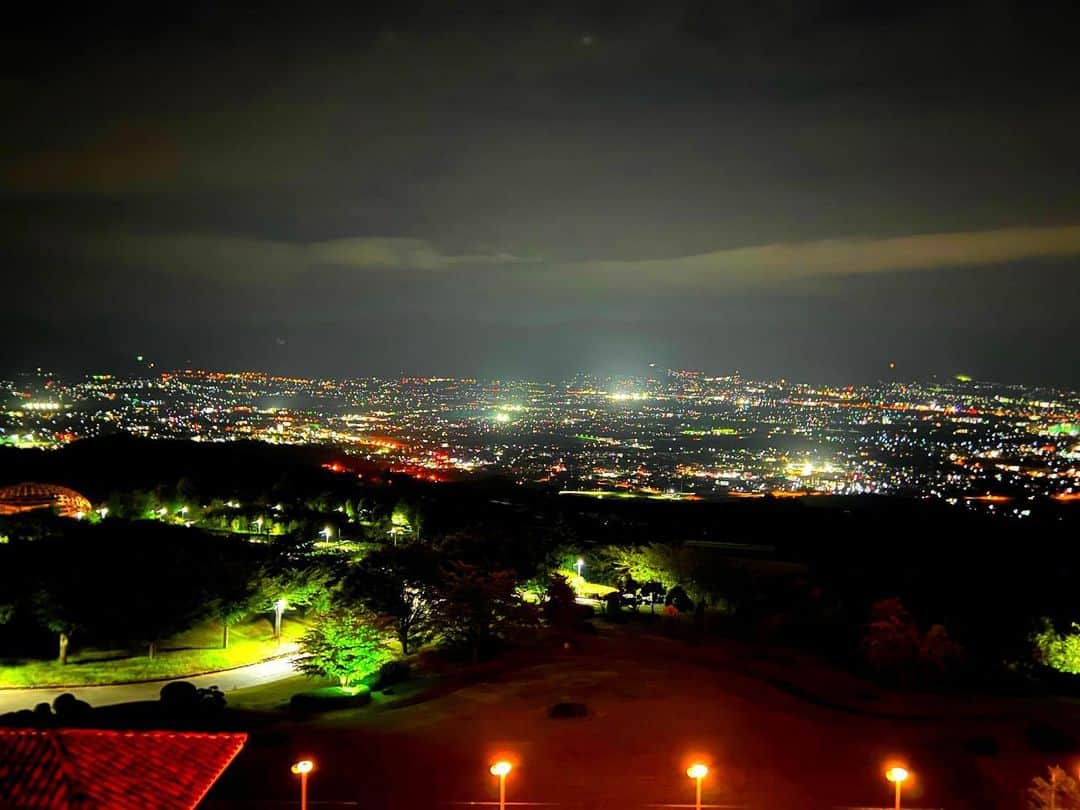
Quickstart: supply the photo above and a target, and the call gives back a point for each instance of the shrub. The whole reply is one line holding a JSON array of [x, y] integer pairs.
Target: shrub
[[1056, 650], [330, 698], [679, 599], [390, 673]]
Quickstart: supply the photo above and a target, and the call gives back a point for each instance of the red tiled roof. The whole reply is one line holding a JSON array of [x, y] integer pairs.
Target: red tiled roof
[[84, 769]]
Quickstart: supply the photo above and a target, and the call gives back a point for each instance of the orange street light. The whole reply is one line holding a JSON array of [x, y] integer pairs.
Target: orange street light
[[501, 769], [302, 769], [897, 775], [697, 772]]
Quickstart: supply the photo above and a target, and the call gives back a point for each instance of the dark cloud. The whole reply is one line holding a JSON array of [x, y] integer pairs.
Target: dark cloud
[[536, 186]]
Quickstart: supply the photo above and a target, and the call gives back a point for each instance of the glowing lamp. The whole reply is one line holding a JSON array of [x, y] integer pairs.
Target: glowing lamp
[[896, 774], [501, 768], [303, 766], [697, 771]]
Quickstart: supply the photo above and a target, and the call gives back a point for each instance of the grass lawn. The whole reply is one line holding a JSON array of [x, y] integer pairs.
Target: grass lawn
[[194, 651]]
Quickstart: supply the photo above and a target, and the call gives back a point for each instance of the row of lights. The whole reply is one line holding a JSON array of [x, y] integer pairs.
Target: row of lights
[[501, 769]]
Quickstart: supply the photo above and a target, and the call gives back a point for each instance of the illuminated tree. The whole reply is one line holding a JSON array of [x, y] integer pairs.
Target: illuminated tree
[[645, 563], [1058, 791], [343, 645], [1057, 650]]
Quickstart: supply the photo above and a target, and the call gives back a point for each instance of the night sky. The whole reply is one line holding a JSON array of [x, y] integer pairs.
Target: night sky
[[800, 189]]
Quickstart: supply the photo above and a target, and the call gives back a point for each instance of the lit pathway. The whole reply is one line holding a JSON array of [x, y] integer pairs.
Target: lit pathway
[[240, 678]]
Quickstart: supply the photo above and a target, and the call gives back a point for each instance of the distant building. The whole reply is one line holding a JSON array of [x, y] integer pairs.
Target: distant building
[[28, 496]]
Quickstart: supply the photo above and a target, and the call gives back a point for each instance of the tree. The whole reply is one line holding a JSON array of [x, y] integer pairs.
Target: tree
[[238, 589], [560, 607], [169, 590], [654, 591], [1057, 791], [295, 584], [64, 597], [938, 653], [654, 562], [343, 645], [398, 582], [477, 606], [59, 613], [890, 639], [1061, 651]]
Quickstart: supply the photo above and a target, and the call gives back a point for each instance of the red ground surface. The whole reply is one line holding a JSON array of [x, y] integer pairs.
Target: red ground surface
[[780, 731]]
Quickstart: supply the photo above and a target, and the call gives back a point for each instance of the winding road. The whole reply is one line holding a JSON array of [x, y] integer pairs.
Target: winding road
[[264, 672]]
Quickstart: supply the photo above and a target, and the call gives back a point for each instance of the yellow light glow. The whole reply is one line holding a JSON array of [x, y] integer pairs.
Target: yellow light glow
[[303, 766], [501, 768], [896, 774], [697, 771]]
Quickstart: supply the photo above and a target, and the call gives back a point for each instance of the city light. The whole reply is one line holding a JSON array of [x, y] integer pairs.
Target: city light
[[687, 436]]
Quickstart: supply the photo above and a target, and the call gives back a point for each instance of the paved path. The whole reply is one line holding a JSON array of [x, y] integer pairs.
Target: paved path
[[240, 678]]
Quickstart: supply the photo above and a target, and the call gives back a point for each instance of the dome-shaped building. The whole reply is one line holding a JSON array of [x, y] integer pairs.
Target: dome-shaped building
[[28, 496]]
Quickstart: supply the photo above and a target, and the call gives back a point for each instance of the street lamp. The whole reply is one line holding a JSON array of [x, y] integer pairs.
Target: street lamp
[[697, 772], [327, 533], [501, 769], [279, 608], [897, 775], [302, 769], [103, 511], [580, 564]]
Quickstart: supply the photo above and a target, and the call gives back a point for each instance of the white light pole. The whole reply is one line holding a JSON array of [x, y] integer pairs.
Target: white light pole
[[501, 769], [279, 609], [580, 565], [302, 769], [697, 772], [897, 775]]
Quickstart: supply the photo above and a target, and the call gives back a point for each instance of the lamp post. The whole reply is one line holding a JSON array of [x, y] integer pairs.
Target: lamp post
[[302, 769], [279, 608], [697, 772], [579, 565], [501, 769], [327, 533], [897, 775]]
